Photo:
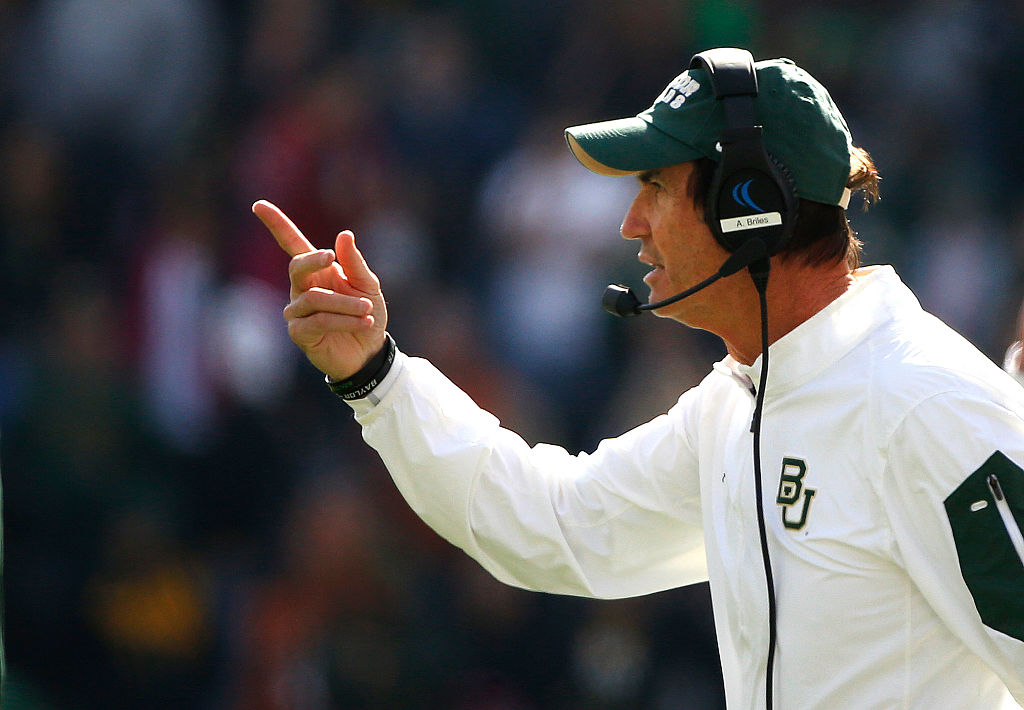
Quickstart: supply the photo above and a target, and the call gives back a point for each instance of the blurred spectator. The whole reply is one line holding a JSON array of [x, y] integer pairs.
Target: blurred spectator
[[127, 84], [319, 634], [34, 205], [318, 148], [287, 40], [612, 655], [554, 232], [449, 119], [148, 604], [77, 454], [176, 279], [963, 263], [139, 74], [606, 59]]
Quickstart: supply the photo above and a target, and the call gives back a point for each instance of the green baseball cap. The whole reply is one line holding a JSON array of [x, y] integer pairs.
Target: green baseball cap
[[802, 128]]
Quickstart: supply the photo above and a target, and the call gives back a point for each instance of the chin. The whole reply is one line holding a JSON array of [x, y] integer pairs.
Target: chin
[[689, 312], [674, 311]]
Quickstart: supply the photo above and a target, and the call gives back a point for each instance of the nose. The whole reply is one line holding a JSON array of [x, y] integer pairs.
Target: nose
[[634, 224]]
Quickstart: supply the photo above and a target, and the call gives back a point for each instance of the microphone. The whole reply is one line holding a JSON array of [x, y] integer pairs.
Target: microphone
[[621, 301]]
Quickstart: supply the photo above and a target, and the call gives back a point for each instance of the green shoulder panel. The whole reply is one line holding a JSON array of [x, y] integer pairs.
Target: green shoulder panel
[[989, 562]]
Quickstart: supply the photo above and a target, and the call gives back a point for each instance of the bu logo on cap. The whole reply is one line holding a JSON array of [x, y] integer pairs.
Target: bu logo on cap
[[681, 88]]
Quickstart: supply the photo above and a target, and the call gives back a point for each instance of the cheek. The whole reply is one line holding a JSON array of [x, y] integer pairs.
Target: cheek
[[696, 259]]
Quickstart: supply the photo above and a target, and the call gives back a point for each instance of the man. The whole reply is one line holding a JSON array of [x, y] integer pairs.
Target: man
[[875, 560]]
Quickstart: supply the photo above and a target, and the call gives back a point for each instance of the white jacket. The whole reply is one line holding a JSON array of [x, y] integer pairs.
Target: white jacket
[[896, 573]]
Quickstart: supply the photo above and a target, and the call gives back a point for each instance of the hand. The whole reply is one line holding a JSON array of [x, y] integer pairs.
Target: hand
[[1020, 338], [337, 314]]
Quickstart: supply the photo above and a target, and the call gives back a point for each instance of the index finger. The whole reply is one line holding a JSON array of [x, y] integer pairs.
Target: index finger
[[284, 230]]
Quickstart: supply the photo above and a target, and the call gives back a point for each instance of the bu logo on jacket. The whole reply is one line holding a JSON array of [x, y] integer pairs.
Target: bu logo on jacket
[[793, 497]]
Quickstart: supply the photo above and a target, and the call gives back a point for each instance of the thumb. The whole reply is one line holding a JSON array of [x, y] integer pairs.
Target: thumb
[[354, 265]]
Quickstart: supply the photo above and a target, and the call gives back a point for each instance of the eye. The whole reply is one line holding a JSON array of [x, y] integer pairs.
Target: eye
[[654, 186], [651, 179]]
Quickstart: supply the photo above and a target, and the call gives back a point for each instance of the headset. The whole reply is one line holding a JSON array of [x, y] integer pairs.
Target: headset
[[751, 209], [752, 195]]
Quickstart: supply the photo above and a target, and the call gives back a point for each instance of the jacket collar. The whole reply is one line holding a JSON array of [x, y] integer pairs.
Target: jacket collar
[[805, 352]]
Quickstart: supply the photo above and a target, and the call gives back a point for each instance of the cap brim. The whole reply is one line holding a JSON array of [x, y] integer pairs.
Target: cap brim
[[626, 146]]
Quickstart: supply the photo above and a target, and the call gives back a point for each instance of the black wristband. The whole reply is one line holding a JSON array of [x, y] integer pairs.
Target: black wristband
[[363, 382]]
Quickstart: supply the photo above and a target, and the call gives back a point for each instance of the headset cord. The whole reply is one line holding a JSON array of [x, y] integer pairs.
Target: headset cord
[[759, 273]]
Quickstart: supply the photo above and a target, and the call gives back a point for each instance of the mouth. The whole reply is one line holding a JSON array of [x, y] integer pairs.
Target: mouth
[[656, 267]]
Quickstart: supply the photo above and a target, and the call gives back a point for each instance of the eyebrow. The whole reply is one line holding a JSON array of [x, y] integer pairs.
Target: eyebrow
[[648, 175]]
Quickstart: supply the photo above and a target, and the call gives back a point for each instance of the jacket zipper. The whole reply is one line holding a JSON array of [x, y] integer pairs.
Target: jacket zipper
[[1012, 528]]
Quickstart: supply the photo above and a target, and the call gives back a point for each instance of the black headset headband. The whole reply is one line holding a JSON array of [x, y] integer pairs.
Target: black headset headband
[[732, 74]]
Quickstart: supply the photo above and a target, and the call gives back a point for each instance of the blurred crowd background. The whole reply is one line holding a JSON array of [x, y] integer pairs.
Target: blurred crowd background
[[191, 518]]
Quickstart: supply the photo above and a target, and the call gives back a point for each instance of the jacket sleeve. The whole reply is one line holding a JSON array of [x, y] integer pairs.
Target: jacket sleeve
[[622, 521], [954, 493]]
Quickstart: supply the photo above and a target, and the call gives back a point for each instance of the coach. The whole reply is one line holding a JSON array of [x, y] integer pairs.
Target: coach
[[854, 492]]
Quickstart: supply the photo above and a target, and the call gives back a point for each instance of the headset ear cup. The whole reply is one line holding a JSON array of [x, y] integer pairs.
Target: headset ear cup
[[751, 197]]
